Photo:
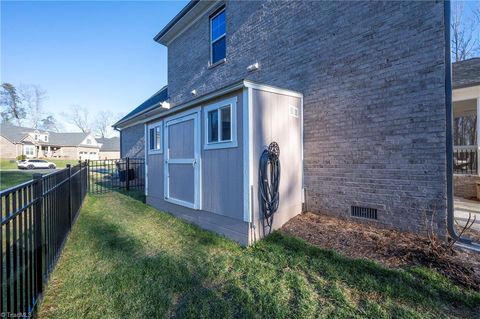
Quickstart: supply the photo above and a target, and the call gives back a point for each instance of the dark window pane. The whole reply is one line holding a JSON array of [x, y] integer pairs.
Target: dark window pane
[[152, 139], [465, 130], [218, 50], [213, 126], [226, 123], [218, 26]]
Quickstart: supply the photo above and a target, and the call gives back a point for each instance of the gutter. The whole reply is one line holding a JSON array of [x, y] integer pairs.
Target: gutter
[[177, 18], [154, 113]]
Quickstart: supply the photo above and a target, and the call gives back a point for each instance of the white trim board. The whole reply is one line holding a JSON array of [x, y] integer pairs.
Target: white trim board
[[158, 112], [195, 161], [233, 142]]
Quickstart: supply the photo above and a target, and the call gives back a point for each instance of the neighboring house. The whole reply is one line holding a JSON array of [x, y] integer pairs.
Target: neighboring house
[[33, 143], [353, 92], [110, 148], [466, 110]]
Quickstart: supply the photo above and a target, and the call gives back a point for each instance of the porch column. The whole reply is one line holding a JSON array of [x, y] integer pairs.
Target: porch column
[[478, 135], [48, 151]]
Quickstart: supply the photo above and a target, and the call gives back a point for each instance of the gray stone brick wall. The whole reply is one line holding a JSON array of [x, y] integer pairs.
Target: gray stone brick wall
[[133, 141], [466, 186], [372, 75]]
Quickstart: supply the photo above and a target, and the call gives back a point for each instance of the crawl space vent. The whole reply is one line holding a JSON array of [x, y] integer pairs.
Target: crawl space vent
[[364, 212]]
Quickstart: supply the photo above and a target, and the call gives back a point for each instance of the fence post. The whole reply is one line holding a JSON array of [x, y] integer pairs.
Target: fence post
[[37, 215], [69, 166], [127, 174], [88, 174], [80, 178]]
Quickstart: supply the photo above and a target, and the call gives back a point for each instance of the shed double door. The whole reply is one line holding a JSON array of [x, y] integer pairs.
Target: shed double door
[[182, 161]]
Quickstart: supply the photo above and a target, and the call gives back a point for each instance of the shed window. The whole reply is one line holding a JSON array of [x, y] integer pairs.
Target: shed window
[[218, 37], [155, 138], [220, 122]]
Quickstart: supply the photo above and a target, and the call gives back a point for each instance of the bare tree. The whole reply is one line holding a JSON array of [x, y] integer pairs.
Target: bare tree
[[465, 37], [32, 98], [12, 108], [78, 116], [102, 123]]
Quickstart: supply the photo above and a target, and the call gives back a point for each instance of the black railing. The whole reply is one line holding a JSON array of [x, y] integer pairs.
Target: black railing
[[465, 160], [36, 218], [115, 174]]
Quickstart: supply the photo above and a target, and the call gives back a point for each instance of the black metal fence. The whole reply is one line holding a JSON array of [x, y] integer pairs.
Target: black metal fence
[[36, 218], [465, 161], [115, 174]]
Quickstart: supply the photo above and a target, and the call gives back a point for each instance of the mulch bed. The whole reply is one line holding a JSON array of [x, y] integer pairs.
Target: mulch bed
[[391, 248]]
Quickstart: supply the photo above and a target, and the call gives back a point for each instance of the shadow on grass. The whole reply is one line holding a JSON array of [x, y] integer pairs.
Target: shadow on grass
[[137, 262]]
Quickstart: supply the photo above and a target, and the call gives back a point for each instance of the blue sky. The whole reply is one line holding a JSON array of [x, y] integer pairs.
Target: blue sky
[[97, 54], [100, 55]]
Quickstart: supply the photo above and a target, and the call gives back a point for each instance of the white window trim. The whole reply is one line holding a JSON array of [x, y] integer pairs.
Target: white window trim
[[223, 35], [147, 137], [29, 149], [233, 142]]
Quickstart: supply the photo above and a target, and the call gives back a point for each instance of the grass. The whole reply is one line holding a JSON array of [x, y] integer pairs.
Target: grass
[[125, 259], [12, 178], [6, 163]]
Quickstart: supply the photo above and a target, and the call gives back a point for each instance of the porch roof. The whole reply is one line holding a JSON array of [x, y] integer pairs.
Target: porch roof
[[466, 73]]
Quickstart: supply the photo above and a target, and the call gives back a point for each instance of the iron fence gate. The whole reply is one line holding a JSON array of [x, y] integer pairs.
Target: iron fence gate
[[36, 218], [115, 174]]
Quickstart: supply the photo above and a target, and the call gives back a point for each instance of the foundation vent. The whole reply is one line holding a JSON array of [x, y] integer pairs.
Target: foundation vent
[[363, 212]]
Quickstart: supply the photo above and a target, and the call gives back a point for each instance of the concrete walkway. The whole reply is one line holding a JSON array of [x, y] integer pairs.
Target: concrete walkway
[[464, 207]]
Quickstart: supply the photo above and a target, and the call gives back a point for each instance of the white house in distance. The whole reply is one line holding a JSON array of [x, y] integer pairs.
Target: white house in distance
[[466, 111], [33, 143]]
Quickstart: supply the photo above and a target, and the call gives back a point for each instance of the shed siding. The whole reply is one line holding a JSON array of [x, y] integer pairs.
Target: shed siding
[[373, 79], [272, 122], [221, 182]]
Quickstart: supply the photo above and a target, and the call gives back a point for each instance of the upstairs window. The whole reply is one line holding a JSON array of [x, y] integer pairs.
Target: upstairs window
[[89, 141], [217, 37], [155, 138]]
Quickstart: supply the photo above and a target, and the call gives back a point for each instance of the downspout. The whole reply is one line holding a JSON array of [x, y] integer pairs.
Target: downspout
[[449, 118]]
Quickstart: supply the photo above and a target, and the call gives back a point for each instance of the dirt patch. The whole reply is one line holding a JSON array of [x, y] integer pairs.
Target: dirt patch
[[391, 248]]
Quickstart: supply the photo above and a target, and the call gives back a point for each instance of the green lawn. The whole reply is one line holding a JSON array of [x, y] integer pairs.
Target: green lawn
[[125, 259], [12, 164], [12, 178]]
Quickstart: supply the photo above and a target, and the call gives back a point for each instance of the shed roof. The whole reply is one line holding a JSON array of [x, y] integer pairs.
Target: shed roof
[[153, 101], [466, 73]]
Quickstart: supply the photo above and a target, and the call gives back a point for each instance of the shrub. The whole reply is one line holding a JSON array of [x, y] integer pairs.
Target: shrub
[[21, 157]]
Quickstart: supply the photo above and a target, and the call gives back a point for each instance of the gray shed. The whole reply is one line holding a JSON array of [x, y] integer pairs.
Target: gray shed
[[202, 158]]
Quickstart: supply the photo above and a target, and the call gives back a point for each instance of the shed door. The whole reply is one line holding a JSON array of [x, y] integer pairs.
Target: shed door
[[182, 161]]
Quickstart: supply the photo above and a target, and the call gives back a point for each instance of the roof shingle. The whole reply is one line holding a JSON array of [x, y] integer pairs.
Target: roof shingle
[[466, 73]]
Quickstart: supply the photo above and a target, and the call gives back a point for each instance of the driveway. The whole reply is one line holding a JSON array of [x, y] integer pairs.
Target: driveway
[[465, 207]]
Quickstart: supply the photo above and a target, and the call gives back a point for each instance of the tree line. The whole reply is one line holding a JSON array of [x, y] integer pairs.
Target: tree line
[[23, 106]]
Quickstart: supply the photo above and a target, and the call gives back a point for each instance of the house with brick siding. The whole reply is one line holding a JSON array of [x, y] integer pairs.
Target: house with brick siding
[[36, 143], [355, 95]]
